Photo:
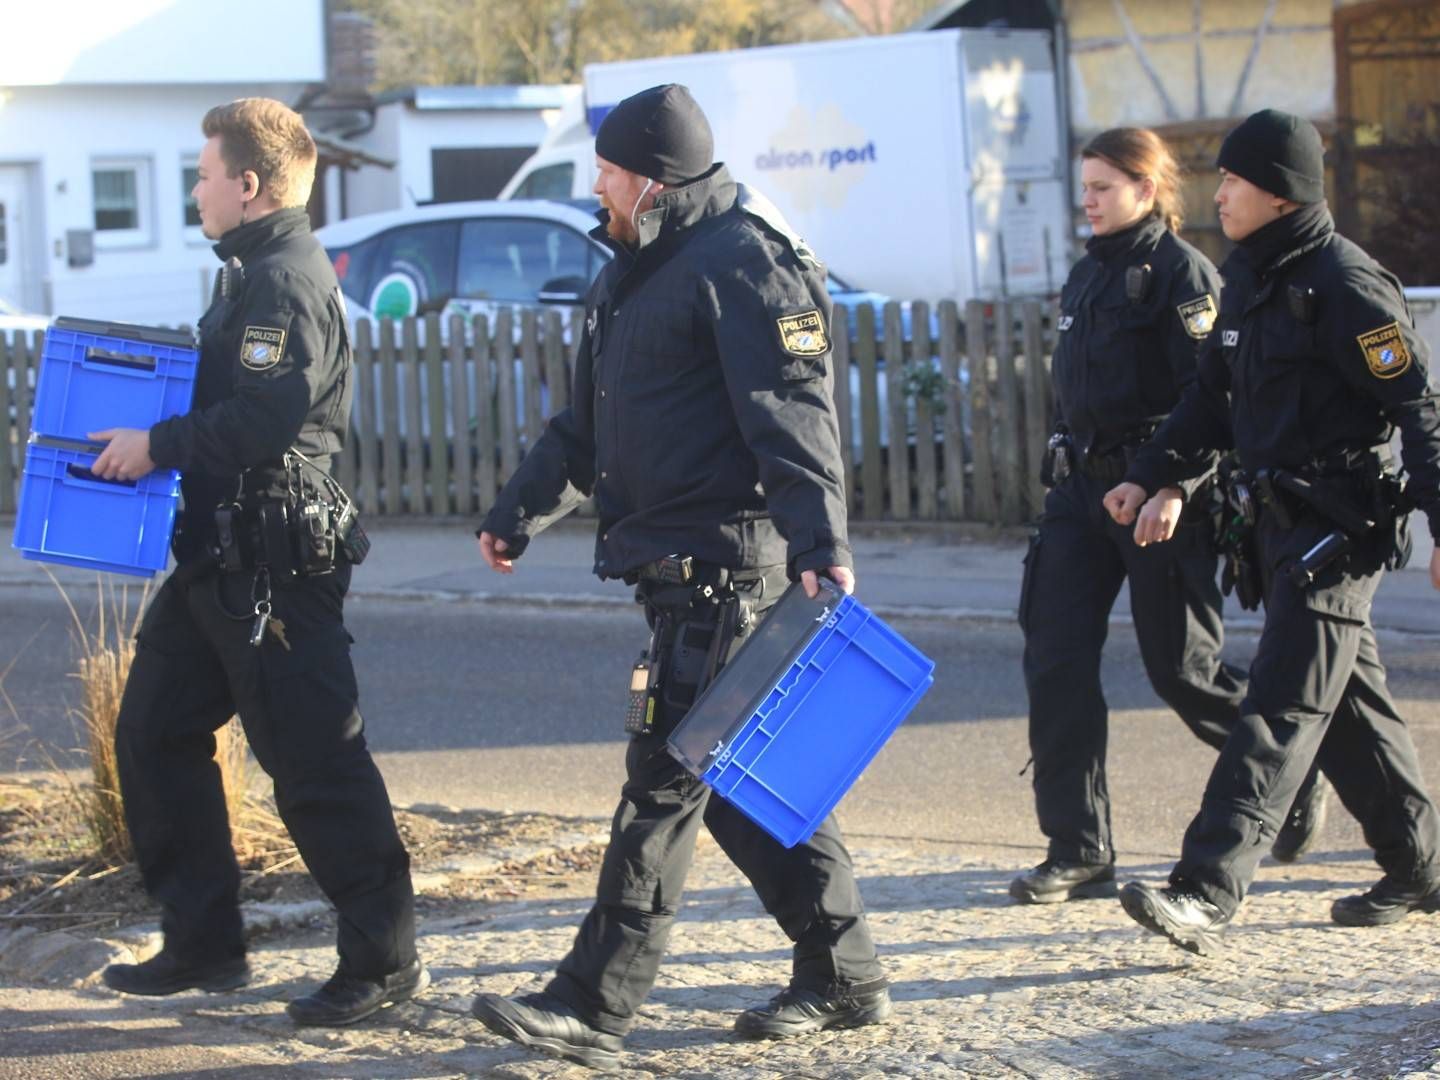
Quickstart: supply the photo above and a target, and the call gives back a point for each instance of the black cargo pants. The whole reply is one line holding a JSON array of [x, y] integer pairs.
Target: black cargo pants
[[1077, 562], [194, 668], [1317, 690], [810, 889]]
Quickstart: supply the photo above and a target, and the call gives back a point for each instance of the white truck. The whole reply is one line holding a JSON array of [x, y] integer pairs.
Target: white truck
[[923, 166]]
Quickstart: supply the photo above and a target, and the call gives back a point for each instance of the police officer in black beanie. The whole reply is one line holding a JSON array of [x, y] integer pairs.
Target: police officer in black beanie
[[1313, 363], [703, 425]]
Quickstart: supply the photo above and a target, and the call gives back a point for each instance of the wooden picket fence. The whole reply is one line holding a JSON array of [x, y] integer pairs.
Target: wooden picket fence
[[441, 420]]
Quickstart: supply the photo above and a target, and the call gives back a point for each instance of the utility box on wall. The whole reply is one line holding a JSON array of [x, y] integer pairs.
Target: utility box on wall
[[80, 247]]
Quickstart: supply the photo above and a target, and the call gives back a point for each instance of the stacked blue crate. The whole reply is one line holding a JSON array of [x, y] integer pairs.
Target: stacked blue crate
[[790, 723], [93, 376]]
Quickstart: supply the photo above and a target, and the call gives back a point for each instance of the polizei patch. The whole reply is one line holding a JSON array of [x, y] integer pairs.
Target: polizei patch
[[803, 334], [262, 347], [1385, 351], [1198, 315]]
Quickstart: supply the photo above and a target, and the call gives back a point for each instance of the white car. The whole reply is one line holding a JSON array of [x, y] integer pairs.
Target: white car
[[464, 258], [467, 259]]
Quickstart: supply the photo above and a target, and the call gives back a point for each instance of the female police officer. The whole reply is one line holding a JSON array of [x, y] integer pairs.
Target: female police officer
[[1133, 313]]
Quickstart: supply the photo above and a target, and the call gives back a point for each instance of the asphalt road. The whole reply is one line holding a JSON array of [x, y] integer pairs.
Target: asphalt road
[[510, 707]]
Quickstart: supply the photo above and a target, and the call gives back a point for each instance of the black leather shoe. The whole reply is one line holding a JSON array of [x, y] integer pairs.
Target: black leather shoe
[[1302, 825], [1387, 901], [798, 1012], [1182, 915], [546, 1023], [1054, 881], [164, 973], [346, 998]]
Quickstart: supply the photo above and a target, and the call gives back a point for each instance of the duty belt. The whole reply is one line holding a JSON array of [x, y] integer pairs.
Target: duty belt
[[686, 569], [1107, 467]]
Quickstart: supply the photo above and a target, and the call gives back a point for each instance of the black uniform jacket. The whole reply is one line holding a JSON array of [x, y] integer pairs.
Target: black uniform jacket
[[274, 368], [1133, 315], [1314, 354], [702, 418]]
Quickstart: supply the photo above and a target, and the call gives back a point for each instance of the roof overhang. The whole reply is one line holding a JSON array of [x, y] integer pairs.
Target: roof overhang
[[347, 154]]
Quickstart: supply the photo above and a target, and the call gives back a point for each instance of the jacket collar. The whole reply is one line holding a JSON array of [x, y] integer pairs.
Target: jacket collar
[[244, 240], [1144, 233], [676, 209], [1284, 240]]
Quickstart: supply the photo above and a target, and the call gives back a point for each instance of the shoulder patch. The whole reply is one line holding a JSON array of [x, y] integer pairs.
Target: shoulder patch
[[1385, 351], [803, 334], [1198, 316], [262, 347]]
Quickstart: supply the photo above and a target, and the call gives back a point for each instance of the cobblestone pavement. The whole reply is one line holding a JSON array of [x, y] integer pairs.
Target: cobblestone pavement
[[983, 987]]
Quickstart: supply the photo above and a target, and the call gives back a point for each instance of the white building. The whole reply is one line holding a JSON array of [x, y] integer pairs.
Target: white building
[[449, 144], [100, 109]]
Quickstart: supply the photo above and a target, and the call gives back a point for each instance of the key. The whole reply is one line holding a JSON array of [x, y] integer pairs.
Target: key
[[277, 627], [262, 616]]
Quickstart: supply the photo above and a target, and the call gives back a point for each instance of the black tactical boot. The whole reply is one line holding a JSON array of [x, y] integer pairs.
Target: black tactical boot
[[346, 998], [164, 973], [1388, 900], [547, 1023], [1302, 825], [1181, 914], [1055, 880], [798, 1012]]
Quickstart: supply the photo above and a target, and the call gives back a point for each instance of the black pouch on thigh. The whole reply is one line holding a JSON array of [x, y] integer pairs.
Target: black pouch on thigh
[[1342, 589], [690, 631]]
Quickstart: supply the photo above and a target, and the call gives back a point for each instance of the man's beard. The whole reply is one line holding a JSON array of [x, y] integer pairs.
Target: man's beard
[[618, 226]]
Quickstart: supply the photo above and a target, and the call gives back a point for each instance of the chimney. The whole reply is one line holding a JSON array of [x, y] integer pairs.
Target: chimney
[[351, 58]]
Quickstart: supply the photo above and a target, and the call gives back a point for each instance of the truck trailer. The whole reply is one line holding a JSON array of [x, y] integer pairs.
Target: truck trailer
[[923, 166]]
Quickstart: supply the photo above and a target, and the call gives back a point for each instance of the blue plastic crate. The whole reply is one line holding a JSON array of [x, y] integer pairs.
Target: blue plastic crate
[[96, 375], [792, 720], [69, 515]]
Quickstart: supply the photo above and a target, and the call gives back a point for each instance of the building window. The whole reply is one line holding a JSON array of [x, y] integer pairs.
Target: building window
[[117, 203], [4, 255], [121, 195], [190, 210], [189, 177]]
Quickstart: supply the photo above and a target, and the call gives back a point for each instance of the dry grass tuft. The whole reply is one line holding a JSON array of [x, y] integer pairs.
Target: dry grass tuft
[[106, 653]]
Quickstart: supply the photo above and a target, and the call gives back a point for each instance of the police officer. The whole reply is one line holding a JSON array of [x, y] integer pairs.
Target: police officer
[[1132, 316], [1313, 363], [703, 425], [236, 628]]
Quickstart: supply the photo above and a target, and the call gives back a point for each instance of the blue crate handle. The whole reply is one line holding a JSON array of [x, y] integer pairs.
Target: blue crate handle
[[136, 365], [79, 476]]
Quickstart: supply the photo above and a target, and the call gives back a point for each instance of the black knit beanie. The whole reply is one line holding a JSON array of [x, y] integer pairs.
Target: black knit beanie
[[1278, 152], [659, 133]]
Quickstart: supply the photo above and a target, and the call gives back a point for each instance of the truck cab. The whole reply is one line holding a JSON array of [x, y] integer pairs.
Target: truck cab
[[563, 167]]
